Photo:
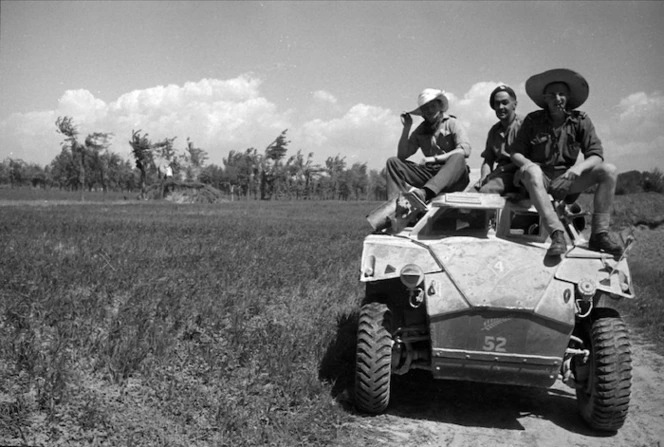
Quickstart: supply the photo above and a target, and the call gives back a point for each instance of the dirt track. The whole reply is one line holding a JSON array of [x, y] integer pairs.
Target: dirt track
[[425, 412]]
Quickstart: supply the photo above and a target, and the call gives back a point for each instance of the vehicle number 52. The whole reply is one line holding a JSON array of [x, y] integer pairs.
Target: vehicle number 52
[[496, 344]]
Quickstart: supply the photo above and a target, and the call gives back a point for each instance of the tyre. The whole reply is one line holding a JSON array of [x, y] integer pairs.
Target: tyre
[[604, 381], [373, 361]]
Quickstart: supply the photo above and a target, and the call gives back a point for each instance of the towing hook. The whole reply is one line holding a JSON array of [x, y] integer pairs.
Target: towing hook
[[416, 298]]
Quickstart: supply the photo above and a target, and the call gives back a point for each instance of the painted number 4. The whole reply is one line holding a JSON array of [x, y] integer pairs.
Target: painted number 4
[[496, 344]]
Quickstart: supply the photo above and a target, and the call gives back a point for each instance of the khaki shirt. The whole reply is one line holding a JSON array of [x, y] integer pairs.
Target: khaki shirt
[[448, 135], [556, 150], [499, 140]]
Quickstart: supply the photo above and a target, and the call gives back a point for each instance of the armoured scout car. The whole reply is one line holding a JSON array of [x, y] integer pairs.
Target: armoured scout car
[[467, 293]]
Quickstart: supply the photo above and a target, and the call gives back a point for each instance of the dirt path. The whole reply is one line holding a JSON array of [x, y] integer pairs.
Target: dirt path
[[425, 412]]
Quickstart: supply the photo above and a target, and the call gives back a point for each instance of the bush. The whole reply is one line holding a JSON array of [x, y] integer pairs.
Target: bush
[[184, 192], [654, 181], [629, 183], [634, 182]]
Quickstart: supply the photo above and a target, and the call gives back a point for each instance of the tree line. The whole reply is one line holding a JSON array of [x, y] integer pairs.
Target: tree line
[[88, 164]]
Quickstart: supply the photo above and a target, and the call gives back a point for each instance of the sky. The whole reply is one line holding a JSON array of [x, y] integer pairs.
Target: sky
[[336, 75]]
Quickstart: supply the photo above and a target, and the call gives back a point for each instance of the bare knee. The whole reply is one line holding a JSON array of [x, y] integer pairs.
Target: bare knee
[[606, 171], [533, 177]]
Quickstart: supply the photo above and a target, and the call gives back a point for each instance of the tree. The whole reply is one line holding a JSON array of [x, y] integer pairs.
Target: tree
[[278, 148], [300, 174], [65, 125], [243, 170], [165, 157], [335, 167], [84, 157], [214, 175], [96, 143], [194, 159], [16, 171], [653, 181], [120, 172], [378, 185], [64, 171], [143, 151], [358, 180], [272, 173], [141, 148], [4, 172]]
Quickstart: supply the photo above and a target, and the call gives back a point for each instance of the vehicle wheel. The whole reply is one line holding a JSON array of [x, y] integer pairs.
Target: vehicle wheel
[[604, 381], [373, 361]]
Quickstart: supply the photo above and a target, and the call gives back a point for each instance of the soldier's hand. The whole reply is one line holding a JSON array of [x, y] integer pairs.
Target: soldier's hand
[[428, 160], [406, 119], [571, 174], [479, 183], [560, 187]]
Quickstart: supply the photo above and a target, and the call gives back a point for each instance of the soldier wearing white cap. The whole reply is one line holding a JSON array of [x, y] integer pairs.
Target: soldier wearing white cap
[[546, 151], [443, 142]]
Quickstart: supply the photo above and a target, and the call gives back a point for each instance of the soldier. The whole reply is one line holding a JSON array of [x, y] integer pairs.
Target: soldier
[[546, 151], [445, 146], [499, 180]]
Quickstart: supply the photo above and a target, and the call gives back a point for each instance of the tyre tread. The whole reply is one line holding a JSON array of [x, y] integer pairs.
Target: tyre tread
[[606, 407], [373, 359]]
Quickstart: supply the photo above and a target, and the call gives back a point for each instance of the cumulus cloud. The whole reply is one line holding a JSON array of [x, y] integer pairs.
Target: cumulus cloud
[[218, 115], [632, 136], [370, 134], [223, 115], [82, 103], [325, 97], [638, 116], [364, 134]]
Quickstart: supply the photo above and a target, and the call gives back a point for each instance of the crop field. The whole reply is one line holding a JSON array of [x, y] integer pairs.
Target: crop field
[[228, 324], [161, 324]]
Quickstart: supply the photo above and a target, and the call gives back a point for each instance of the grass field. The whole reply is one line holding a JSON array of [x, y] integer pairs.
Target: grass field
[[153, 323], [57, 195], [161, 324]]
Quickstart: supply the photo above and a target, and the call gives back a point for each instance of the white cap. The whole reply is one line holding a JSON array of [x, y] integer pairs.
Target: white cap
[[428, 95]]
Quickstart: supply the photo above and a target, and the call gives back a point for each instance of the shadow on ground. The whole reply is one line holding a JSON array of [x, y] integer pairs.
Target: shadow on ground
[[418, 396], [338, 364]]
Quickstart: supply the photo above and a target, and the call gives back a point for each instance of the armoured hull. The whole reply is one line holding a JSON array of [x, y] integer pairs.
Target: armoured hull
[[497, 313]]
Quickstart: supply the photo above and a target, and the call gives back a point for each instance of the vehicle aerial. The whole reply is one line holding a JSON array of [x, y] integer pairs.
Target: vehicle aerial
[[462, 288]]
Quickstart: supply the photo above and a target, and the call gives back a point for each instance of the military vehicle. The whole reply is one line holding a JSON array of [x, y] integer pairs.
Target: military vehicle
[[462, 287]]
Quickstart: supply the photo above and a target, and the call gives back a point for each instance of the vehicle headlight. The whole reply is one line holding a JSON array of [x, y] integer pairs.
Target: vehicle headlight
[[411, 276]]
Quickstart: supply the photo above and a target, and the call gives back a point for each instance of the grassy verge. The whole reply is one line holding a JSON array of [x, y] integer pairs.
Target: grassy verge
[[644, 214], [646, 312]]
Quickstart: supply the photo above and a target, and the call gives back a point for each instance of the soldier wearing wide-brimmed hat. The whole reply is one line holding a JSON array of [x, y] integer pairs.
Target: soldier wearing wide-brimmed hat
[[547, 150], [443, 142]]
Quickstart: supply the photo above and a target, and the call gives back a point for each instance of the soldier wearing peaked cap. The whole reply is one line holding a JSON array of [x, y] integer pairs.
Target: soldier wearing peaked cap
[[546, 151], [497, 171]]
